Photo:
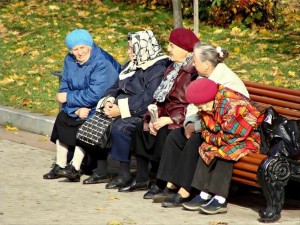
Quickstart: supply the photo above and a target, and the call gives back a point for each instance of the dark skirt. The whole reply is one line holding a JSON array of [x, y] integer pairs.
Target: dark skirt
[[179, 158], [65, 129], [214, 178], [146, 145]]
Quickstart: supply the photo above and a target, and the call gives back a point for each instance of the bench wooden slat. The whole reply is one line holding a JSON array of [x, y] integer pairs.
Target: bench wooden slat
[[242, 173], [276, 102], [277, 95], [245, 181], [245, 170], [246, 166], [288, 113], [294, 92]]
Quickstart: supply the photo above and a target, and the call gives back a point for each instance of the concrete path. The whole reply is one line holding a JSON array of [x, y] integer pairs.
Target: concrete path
[[27, 199]]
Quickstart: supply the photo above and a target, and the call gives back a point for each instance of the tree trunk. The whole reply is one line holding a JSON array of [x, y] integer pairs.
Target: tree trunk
[[177, 13], [196, 17]]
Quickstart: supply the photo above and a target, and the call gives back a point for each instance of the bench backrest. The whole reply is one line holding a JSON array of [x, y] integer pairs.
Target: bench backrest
[[285, 101]]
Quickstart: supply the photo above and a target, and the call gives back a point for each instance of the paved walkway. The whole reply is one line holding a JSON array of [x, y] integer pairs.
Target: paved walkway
[[27, 199]]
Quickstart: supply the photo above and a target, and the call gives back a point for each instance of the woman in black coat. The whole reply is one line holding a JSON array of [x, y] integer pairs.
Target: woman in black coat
[[127, 101]]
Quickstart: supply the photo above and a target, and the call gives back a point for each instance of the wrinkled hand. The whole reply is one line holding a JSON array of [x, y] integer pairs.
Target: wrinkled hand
[[189, 130], [153, 131], [83, 113], [61, 97], [162, 121], [111, 110]]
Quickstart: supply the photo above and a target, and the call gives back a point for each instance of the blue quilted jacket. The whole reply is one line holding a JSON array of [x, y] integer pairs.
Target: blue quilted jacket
[[85, 83]]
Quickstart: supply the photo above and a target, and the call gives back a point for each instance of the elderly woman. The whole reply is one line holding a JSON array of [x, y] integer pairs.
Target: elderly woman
[[229, 128], [88, 72], [127, 102], [180, 153], [149, 137]]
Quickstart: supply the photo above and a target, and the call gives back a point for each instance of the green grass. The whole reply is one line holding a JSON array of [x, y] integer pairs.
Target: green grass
[[32, 44]]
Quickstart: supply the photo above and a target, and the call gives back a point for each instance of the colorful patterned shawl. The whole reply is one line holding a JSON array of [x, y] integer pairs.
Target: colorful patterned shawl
[[230, 132]]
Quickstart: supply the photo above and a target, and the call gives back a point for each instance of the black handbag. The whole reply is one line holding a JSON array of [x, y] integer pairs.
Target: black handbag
[[96, 131], [280, 136]]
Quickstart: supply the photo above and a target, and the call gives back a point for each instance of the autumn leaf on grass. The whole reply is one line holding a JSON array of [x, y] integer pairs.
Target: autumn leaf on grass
[[236, 49], [235, 31], [218, 31], [16, 5], [3, 30], [54, 7], [83, 13], [34, 53], [292, 73], [26, 101], [12, 128], [241, 71], [80, 25], [6, 80], [22, 51]]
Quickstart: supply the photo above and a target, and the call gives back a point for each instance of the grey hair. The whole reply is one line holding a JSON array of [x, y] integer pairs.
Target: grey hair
[[210, 53]]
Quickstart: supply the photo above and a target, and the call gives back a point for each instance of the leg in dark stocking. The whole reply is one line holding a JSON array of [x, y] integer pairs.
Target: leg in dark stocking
[[100, 173], [123, 178], [142, 178]]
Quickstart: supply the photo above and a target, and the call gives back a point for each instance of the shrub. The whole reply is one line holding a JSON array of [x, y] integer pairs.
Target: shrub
[[263, 13]]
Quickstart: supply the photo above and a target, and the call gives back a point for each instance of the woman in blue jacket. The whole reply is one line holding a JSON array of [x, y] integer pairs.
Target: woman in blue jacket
[[128, 100], [88, 72]]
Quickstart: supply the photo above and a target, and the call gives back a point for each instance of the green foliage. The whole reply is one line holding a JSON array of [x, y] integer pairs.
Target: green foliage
[[262, 13]]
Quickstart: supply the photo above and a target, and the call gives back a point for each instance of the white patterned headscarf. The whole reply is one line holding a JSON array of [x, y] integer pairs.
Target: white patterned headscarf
[[146, 52]]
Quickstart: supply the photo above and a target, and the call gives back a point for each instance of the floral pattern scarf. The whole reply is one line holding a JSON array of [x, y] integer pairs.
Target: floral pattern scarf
[[167, 83]]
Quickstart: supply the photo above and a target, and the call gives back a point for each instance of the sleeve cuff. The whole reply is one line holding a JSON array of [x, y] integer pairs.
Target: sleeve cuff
[[100, 102], [197, 126], [190, 119], [124, 108]]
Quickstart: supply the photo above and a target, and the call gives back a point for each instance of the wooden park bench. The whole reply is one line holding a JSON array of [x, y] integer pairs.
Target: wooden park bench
[[269, 173]]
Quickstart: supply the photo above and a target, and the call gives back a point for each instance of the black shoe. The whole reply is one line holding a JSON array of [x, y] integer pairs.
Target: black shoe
[[165, 195], [53, 174], [116, 183], [213, 207], [194, 204], [96, 179], [134, 186], [175, 201], [154, 191], [71, 173]]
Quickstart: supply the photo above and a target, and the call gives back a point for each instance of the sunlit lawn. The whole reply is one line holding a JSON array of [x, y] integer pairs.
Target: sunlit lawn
[[32, 45]]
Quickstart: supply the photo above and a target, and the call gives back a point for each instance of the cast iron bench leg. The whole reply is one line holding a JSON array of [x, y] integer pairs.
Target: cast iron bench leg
[[273, 175]]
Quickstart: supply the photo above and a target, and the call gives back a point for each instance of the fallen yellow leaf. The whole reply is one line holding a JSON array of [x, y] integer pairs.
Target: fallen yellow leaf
[[292, 73], [114, 222], [111, 197], [8, 127]]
